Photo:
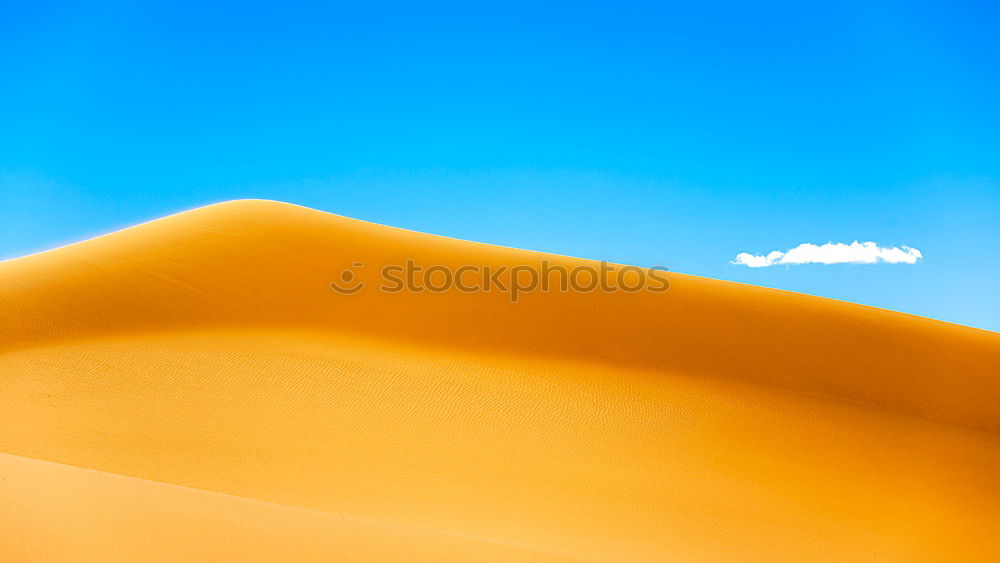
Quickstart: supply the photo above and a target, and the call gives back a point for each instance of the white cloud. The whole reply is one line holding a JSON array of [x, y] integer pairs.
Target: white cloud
[[832, 253]]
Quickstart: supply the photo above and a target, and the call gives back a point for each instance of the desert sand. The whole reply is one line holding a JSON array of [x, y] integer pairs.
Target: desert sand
[[192, 389]]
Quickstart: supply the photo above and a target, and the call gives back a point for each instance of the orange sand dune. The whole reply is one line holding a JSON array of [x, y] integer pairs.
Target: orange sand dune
[[192, 388]]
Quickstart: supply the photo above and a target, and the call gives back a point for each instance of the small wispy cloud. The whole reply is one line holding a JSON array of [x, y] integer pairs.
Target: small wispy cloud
[[832, 253]]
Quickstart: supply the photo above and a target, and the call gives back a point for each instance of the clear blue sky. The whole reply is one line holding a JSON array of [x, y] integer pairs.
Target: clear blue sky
[[641, 133]]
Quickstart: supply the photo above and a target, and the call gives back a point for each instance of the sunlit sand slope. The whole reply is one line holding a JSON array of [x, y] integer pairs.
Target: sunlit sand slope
[[204, 367], [59, 512]]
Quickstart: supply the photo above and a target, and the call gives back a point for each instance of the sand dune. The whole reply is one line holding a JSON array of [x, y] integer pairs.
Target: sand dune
[[192, 388]]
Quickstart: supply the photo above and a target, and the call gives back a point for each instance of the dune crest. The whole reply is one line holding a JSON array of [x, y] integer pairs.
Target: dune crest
[[206, 351]]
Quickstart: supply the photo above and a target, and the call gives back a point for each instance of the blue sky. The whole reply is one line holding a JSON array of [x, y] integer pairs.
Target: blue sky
[[643, 133]]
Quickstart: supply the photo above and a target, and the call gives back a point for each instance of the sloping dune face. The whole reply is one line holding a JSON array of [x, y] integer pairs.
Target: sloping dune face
[[194, 389]]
